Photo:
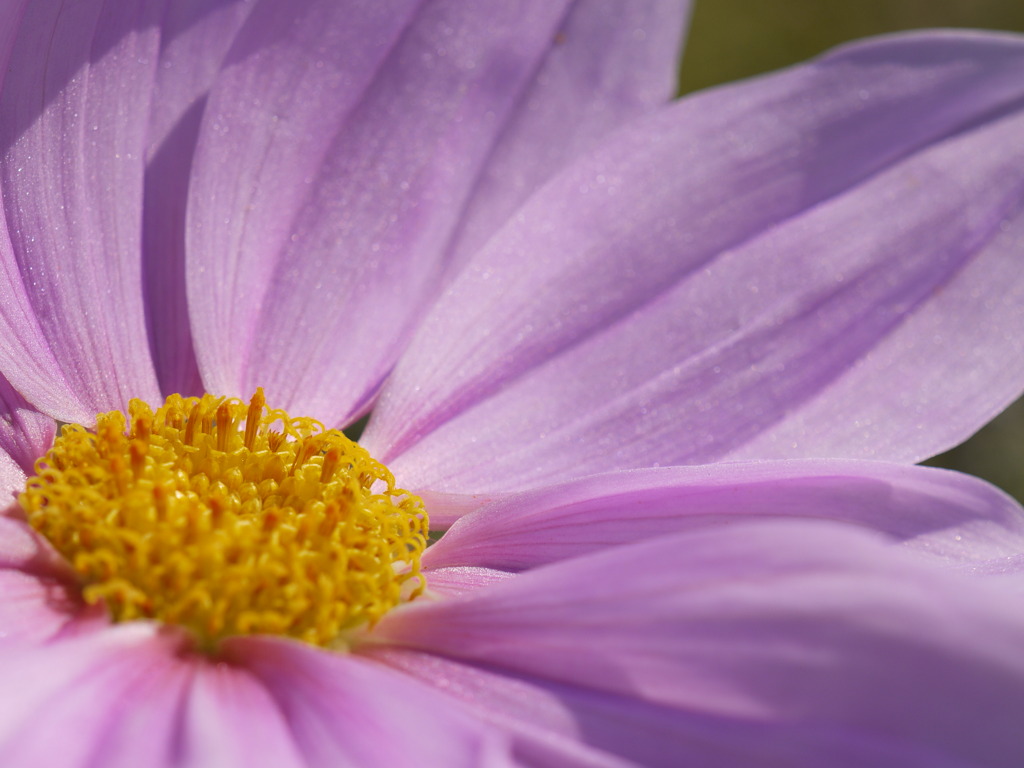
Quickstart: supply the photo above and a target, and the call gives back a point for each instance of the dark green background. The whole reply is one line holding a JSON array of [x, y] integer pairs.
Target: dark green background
[[731, 39]]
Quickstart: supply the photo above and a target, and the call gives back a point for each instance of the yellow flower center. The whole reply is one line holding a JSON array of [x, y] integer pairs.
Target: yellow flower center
[[228, 519]]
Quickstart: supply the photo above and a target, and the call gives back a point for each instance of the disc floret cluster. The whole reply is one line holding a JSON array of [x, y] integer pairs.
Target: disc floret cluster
[[229, 519]]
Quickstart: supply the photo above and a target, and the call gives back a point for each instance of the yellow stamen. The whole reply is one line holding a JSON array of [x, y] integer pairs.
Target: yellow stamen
[[189, 520]]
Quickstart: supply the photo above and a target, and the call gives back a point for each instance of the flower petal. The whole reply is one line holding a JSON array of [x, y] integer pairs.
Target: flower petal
[[611, 62], [195, 35], [24, 353], [33, 609], [231, 720], [134, 695], [12, 476], [23, 549], [816, 626], [314, 243], [459, 579], [73, 120], [38, 602], [113, 698], [779, 268], [567, 725], [25, 434], [25, 356], [446, 508], [957, 518], [345, 711], [546, 729]]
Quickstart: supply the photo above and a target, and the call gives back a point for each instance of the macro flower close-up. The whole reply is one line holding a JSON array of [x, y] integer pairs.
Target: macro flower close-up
[[416, 383]]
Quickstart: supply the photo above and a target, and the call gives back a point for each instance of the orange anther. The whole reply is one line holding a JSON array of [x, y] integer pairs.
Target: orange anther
[[305, 453], [160, 501], [330, 464], [190, 425], [207, 419], [252, 417], [225, 427], [143, 426], [274, 441], [137, 451]]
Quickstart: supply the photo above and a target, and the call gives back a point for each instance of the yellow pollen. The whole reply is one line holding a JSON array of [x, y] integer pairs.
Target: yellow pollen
[[278, 527]]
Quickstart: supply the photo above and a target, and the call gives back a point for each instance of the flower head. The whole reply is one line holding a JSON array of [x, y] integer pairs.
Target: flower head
[[203, 515], [486, 226]]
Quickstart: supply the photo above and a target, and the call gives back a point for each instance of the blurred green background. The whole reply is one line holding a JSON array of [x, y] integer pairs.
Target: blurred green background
[[731, 39]]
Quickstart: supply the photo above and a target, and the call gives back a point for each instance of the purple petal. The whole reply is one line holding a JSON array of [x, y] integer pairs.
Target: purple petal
[[33, 609], [195, 35], [25, 434], [39, 599], [345, 711], [36, 609], [23, 350], [446, 508], [957, 518], [336, 155], [811, 625], [25, 356], [12, 476], [611, 62], [818, 262], [231, 720], [566, 725], [459, 580], [109, 698], [23, 549], [12, 479], [547, 729], [73, 135]]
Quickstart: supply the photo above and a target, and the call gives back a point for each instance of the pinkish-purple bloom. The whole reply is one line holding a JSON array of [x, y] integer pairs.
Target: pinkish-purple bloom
[[483, 222]]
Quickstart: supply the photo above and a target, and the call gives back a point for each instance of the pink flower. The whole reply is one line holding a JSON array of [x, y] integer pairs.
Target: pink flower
[[484, 223], [720, 639]]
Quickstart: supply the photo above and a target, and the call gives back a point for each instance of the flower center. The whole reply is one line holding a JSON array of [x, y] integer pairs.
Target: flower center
[[228, 519]]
